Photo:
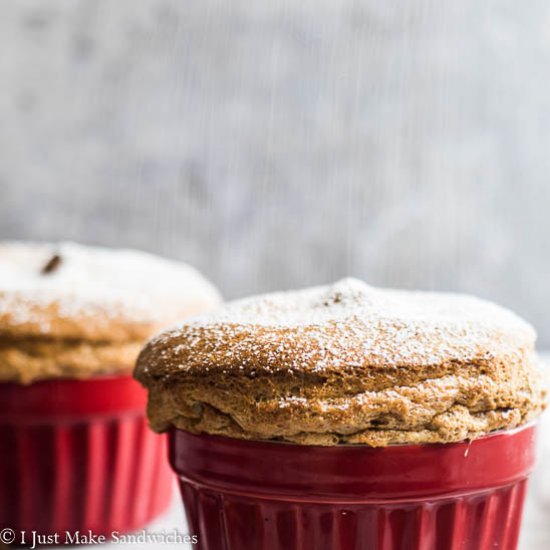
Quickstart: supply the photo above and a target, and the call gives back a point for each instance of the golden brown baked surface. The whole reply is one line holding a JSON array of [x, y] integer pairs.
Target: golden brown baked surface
[[76, 311], [345, 364]]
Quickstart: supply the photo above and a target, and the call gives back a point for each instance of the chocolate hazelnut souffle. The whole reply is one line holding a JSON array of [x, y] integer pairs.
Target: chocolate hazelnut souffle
[[76, 452], [345, 364], [316, 418]]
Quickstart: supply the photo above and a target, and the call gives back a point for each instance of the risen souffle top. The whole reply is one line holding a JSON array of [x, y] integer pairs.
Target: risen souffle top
[[345, 364], [68, 310]]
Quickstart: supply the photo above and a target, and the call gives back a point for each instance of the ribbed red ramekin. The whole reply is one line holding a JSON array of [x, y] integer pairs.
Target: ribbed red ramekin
[[77, 455], [243, 495]]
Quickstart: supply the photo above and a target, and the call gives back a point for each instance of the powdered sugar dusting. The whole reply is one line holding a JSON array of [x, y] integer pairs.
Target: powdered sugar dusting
[[91, 282], [347, 324], [350, 298], [346, 363]]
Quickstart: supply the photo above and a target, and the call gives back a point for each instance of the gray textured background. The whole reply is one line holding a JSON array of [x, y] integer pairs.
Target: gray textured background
[[282, 143]]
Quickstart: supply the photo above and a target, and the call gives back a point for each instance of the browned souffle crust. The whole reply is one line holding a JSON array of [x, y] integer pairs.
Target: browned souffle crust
[[74, 311], [345, 364]]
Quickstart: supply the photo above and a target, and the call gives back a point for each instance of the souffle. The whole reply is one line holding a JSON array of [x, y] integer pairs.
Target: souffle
[[343, 364], [73, 311]]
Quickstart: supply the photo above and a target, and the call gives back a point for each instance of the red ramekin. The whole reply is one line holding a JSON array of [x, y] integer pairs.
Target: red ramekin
[[244, 495], [77, 455]]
